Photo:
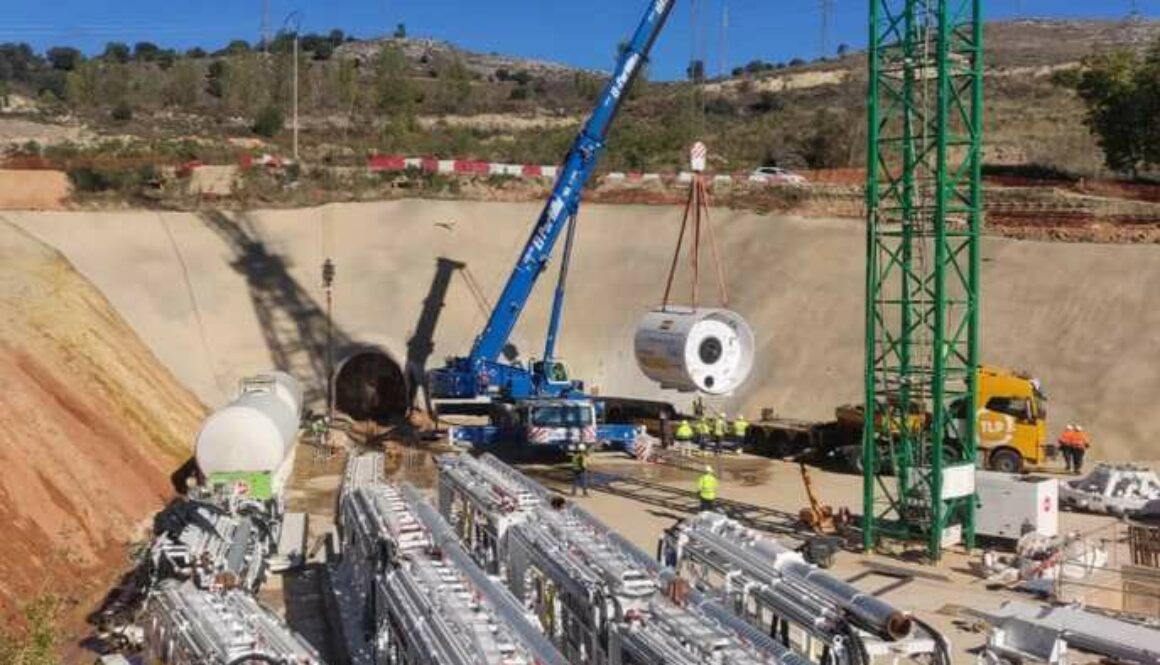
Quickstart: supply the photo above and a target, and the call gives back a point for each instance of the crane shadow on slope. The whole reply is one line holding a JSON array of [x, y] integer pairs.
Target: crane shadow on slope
[[421, 344], [293, 325], [368, 383]]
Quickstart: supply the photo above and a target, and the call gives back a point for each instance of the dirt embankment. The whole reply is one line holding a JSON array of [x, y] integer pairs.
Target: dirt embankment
[[92, 426], [33, 190]]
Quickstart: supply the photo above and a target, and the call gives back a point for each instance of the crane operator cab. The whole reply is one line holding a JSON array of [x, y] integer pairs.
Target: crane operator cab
[[553, 379], [557, 422]]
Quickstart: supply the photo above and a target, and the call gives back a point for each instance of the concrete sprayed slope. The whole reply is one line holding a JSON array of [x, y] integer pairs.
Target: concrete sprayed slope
[[1079, 316], [92, 426]]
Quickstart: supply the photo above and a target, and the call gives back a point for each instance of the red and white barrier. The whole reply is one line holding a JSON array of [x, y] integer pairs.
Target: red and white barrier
[[532, 171]]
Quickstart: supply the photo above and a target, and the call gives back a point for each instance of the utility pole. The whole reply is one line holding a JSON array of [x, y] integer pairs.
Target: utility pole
[[328, 287], [296, 17], [295, 96], [827, 9], [265, 36]]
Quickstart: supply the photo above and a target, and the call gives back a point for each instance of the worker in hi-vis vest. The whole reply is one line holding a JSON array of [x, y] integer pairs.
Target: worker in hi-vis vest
[[580, 468], [707, 489], [740, 427]]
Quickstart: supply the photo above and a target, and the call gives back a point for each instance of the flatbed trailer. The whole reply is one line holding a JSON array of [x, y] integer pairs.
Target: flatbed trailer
[[806, 440]]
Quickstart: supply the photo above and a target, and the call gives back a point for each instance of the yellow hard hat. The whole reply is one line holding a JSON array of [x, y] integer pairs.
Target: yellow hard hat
[[708, 469]]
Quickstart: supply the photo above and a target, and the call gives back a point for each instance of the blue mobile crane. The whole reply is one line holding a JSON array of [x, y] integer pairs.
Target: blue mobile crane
[[540, 403]]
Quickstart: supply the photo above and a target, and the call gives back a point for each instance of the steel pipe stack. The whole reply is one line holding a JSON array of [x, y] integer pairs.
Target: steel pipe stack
[[420, 598], [746, 569], [599, 598], [189, 626]]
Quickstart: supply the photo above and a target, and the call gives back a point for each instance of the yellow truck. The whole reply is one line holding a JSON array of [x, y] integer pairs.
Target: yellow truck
[[1011, 427], [1010, 420]]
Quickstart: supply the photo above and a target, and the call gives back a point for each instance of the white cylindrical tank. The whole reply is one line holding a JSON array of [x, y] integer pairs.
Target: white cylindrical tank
[[256, 431], [686, 349]]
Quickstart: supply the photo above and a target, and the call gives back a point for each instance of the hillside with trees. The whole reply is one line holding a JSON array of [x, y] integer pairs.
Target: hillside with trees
[[423, 97]]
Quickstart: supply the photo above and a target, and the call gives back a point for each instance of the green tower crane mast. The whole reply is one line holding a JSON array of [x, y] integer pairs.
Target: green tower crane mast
[[924, 213]]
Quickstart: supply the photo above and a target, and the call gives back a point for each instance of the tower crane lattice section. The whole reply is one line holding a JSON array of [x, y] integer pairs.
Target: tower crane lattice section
[[924, 213]]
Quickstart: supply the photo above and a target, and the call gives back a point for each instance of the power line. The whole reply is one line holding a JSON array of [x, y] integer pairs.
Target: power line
[[827, 9], [265, 36]]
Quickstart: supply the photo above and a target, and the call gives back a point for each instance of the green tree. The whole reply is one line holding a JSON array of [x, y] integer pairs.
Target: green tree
[[146, 51], [828, 143], [393, 93], [695, 72], [17, 61], [343, 85], [184, 82], [83, 85], [268, 122], [236, 47], [116, 52], [64, 58], [122, 112], [587, 86], [1121, 90], [453, 92], [244, 84], [216, 78]]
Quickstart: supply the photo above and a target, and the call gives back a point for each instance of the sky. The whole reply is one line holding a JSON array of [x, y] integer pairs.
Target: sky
[[581, 33]]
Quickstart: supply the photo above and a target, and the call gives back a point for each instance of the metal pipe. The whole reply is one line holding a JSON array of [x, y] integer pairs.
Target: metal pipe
[[443, 536], [732, 622], [882, 616]]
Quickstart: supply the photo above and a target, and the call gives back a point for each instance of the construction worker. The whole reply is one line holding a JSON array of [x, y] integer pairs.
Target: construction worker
[[1079, 449], [719, 430], [666, 430], [685, 431], [580, 468], [740, 427], [1066, 444], [707, 489], [702, 432], [319, 428]]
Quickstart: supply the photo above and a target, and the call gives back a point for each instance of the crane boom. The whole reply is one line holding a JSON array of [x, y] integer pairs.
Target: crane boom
[[468, 377]]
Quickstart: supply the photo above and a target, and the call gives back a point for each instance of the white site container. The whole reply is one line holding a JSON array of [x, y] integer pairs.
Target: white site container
[[686, 349], [1011, 505], [256, 431]]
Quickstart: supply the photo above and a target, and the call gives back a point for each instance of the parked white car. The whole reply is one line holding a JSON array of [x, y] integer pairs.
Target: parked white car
[[776, 175]]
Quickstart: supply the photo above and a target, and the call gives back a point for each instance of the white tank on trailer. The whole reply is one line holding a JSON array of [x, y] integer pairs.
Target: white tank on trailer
[[686, 349], [256, 431]]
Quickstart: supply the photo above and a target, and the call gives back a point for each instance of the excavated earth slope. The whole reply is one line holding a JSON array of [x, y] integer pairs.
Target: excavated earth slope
[[92, 427], [215, 296]]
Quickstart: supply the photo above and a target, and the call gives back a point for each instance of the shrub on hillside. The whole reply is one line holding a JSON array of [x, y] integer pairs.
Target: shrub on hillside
[[33, 639], [122, 112], [268, 122]]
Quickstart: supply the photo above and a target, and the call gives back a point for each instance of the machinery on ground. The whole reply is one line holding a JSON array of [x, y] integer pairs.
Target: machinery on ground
[[412, 595], [809, 611], [598, 598], [1010, 427], [186, 625], [518, 399]]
